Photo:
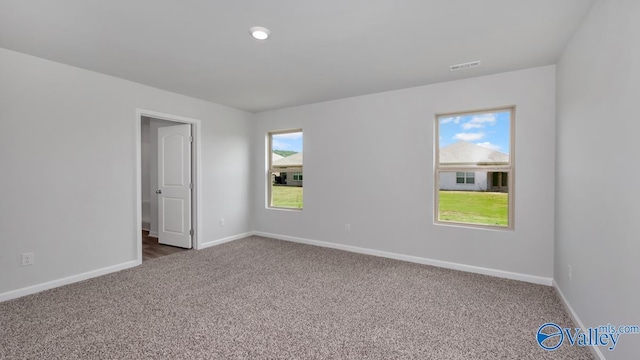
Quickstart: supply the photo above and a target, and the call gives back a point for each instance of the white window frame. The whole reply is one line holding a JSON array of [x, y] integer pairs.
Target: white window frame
[[271, 170], [510, 169]]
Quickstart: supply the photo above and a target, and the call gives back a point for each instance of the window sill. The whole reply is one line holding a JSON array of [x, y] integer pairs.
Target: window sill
[[284, 209], [473, 226]]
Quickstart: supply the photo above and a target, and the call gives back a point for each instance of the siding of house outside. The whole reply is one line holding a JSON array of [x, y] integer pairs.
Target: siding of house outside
[[448, 182]]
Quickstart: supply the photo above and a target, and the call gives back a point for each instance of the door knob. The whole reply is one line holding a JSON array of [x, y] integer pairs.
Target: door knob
[[158, 191]]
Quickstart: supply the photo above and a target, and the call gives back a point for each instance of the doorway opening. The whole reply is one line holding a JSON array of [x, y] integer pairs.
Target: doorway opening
[[168, 173], [152, 249]]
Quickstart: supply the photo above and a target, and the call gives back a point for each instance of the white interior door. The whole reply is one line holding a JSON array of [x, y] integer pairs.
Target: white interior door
[[174, 185]]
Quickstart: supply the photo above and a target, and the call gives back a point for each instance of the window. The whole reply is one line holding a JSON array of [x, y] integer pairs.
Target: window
[[465, 178], [285, 169], [474, 172]]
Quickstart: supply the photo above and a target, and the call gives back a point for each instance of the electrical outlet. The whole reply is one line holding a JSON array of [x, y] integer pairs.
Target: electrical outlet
[[221, 222], [347, 228], [570, 275], [28, 259]]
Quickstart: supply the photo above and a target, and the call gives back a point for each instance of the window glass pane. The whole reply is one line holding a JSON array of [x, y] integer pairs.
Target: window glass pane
[[480, 145], [470, 178], [475, 203], [286, 185], [284, 196], [475, 139]]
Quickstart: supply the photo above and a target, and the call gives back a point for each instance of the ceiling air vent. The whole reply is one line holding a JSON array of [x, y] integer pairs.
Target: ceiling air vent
[[464, 66]]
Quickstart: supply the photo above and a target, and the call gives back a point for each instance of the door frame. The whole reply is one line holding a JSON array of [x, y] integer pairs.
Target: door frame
[[196, 176]]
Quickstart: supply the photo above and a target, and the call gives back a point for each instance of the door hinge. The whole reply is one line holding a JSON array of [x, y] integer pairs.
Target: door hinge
[[191, 232], [190, 138], [190, 185]]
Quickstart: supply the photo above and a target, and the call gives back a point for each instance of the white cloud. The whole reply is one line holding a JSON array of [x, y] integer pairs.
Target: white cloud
[[480, 121], [279, 145], [469, 136], [489, 145], [447, 120]]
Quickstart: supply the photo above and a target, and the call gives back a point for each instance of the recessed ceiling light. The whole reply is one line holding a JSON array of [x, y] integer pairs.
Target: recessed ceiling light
[[259, 32]]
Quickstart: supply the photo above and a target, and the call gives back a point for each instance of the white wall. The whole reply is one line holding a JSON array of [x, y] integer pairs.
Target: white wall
[[68, 168], [597, 221], [383, 143]]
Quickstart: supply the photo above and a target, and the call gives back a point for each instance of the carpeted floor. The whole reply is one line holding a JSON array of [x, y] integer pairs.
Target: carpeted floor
[[260, 298]]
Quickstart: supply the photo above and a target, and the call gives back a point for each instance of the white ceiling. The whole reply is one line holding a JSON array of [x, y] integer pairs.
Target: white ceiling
[[318, 50]]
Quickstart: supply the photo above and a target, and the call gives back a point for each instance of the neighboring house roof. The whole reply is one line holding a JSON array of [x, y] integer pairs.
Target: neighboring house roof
[[289, 161], [464, 152], [275, 157]]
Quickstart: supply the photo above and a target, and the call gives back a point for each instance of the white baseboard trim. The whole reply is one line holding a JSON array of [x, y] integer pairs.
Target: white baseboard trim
[[224, 240], [13, 294], [595, 350], [415, 259], [153, 234]]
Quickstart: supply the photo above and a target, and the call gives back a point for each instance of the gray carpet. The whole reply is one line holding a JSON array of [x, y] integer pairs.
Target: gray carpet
[[260, 298]]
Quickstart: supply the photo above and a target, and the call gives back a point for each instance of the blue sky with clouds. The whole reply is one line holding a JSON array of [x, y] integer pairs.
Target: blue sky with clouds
[[490, 130], [288, 141]]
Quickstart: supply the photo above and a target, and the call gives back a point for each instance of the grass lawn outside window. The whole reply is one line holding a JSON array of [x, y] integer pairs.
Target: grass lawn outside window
[[286, 197], [470, 207]]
